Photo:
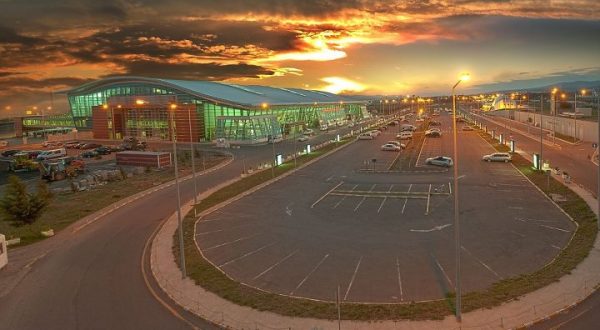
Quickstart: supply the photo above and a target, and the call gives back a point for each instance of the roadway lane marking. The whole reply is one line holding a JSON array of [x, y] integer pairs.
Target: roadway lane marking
[[482, 263], [399, 279], [384, 199], [364, 198], [246, 255], [406, 199], [352, 280], [428, 200], [343, 198], [327, 193], [307, 275], [555, 228], [210, 232], [518, 234], [229, 243], [275, 265], [556, 247], [442, 269], [436, 228]]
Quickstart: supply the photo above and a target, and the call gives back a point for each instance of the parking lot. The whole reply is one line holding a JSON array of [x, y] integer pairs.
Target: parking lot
[[384, 237]]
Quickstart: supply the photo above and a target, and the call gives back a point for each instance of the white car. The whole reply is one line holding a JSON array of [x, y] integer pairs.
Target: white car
[[433, 133], [440, 161], [365, 136], [397, 143], [375, 133], [309, 131], [467, 128], [303, 138], [419, 120], [324, 127], [390, 147], [406, 127], [405, 135], [498, 157]]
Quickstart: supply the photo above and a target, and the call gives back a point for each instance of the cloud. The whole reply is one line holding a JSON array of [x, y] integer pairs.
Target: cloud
[[540, 80], [339, 85]]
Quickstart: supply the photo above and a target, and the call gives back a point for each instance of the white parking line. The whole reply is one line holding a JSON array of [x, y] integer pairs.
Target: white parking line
[[555, 228], [327, 193], [399, 279], [556, 247], [443, 271], [310, 273], [343, 198], [406, 199], [353, 277], [228, 243], [384, 199], [482, 263], [275, 265], [363, 199], [246, 255]]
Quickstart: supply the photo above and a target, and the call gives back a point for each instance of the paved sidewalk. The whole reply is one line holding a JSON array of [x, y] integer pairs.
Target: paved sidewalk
[[529, 308]]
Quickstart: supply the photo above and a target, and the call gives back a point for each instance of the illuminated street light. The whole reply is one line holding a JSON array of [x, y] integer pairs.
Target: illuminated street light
[[179, 222], [463, 77]]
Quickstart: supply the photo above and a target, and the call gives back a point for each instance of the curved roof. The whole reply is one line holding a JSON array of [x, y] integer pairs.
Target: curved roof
[[239, 95]]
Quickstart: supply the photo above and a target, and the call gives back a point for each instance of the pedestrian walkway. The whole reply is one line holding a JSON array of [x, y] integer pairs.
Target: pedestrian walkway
[[529, 308]]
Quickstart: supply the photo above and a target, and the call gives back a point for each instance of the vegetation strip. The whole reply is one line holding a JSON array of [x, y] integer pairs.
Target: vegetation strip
[[212, 279]]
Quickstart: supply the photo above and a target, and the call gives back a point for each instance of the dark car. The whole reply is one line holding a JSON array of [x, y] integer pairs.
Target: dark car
[[434, 123], [88, 146], [103, 150], [8, 153], [89, 154]]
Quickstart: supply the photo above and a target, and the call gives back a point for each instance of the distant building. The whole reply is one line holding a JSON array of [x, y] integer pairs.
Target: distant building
[[142, 107]]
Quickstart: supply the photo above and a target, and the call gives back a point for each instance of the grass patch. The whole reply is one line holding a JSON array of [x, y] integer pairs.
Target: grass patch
[[66, 208], [211, 279]]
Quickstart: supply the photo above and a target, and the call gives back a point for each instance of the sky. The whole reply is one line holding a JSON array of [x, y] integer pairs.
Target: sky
[[342, 46]]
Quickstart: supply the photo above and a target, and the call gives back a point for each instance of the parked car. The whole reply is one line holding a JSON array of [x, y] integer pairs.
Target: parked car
[[419, 120], [397, 143], [435, 123], [467, 128], [324, 127], [89, 154], [103, 150], [433, 133], [71, 145], [116, 148], [309, 131], [382, 128], [365, 136], [8, 153], [88, 146], [79, 145], [303, 138], [405, 135], [375, 133], [390, 147], [498, 157], [48, 144], [408, 128], [50, 154], [440, 161]]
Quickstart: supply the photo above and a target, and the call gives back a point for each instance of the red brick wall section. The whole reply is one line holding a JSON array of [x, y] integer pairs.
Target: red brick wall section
[[99, 123]]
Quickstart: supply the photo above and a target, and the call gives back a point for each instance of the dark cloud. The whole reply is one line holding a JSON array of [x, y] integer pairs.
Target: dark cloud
[[192, 71]]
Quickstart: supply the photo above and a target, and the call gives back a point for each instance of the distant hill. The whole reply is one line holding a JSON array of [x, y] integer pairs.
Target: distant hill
[[568, 86]]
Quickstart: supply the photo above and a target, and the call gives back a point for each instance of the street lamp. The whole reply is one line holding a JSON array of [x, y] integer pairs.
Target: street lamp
[[173, 108], [192, 155], [463, 77], [554, 91]]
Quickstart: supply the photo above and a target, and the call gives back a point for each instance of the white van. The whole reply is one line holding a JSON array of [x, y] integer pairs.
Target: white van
[[49, 154], [405, 135]]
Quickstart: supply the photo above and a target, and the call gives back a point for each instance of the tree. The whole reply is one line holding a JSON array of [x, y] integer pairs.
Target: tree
[[22, 207]]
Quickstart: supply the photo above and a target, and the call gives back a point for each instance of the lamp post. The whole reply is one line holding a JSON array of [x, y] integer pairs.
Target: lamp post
[[583, 91], [265, 105], [554, 90], [173, 107], [193, 156], [464, 77]]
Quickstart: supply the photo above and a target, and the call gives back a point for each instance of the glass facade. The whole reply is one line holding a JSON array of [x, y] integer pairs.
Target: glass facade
[[48, 121], [215, 119]]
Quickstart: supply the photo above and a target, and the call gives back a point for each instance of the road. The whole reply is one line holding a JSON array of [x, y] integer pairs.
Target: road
[[91, 279], [572, 159]]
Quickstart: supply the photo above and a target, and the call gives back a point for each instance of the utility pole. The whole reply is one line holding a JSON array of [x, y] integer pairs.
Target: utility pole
[[179, 222]]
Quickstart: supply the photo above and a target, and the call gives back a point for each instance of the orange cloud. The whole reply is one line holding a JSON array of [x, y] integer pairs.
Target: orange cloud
[[338, 85]]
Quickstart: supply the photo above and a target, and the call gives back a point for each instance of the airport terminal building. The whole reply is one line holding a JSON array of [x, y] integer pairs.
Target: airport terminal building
[[152, 108]]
